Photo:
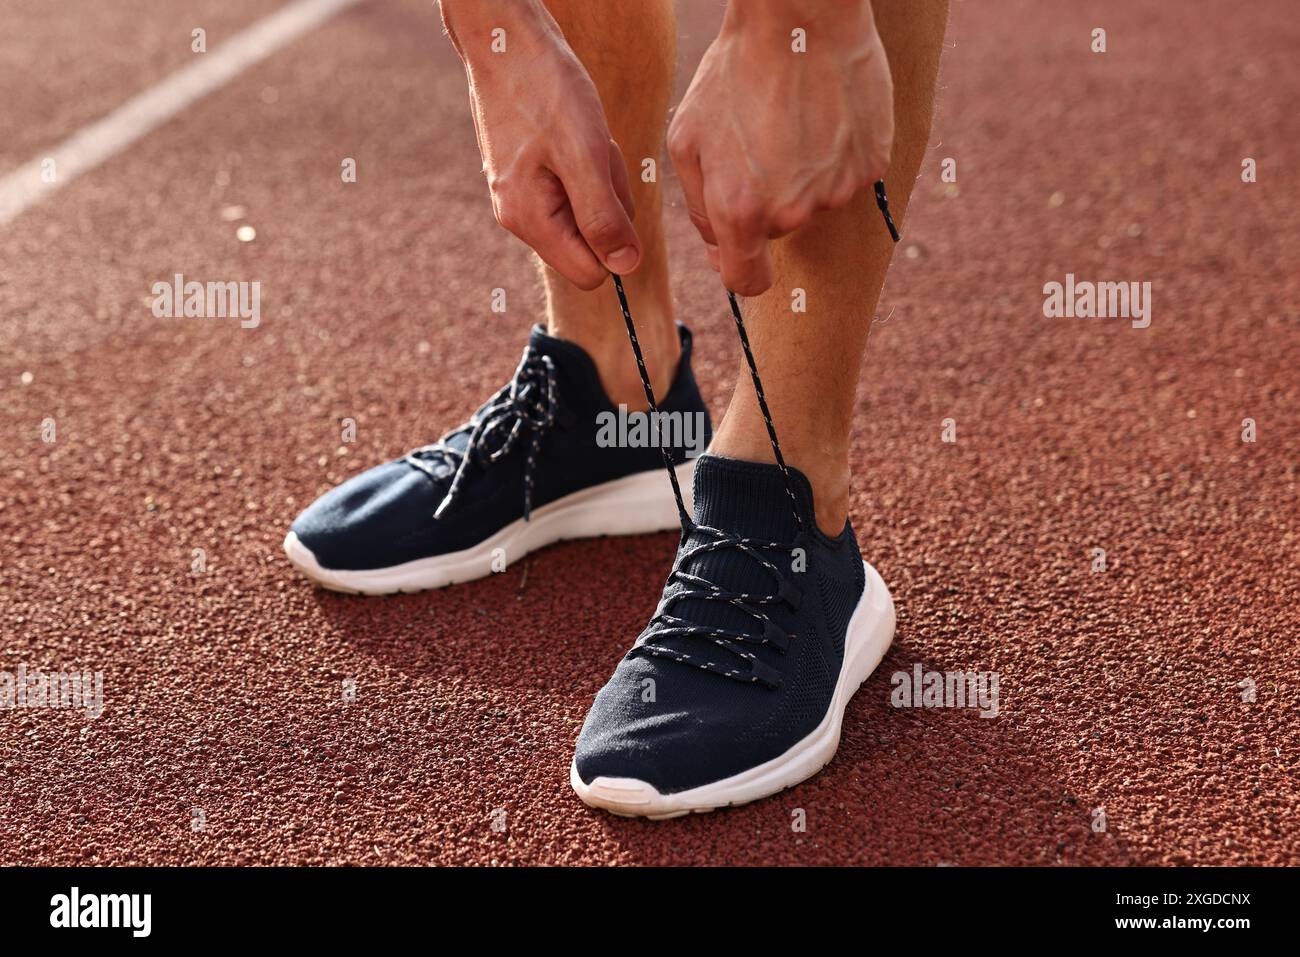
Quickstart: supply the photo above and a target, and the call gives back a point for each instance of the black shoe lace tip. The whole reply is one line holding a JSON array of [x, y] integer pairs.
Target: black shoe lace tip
[[883, 202]]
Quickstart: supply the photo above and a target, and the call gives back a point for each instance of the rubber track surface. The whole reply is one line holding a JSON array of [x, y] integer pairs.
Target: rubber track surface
[[1119, 690]]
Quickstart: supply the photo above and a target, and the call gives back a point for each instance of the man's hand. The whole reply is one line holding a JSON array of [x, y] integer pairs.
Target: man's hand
[[557, 178], [766, 136]]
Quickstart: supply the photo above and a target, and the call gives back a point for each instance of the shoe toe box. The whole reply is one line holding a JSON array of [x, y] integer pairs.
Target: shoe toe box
[[672, 727], [373, 520]]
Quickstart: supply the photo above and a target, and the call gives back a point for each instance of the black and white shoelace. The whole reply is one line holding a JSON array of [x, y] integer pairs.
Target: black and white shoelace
[[731, 642], [522, 410]]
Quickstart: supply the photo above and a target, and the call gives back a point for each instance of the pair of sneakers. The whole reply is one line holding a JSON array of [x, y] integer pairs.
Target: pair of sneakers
[[737, 686]]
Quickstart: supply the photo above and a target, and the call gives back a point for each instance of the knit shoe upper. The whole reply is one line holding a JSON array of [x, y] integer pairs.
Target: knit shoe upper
[[535, 441], [741, 659]]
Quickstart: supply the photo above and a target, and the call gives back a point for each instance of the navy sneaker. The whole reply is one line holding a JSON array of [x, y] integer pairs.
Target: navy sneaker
[[737, 687], [543, 460]]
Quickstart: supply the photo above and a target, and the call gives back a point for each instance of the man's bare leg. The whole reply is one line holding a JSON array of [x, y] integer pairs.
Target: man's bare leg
[[629, 49], [810, 361]]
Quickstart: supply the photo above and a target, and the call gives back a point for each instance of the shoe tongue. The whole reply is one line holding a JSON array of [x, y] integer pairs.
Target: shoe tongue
[[576, 370], [748, 499], [751, 498]]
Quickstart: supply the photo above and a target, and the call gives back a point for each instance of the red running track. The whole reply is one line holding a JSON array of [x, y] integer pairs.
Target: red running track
[[1119, 690]]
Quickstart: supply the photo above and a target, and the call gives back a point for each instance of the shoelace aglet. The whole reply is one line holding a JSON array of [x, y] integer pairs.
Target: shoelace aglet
[[883, 202]]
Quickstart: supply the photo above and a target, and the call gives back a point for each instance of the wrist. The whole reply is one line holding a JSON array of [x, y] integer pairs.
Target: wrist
[[835, 18], [472, 26]]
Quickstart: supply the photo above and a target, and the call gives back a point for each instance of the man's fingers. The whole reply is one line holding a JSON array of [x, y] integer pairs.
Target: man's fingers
[[734, 230], [547, 224], [564, 249], [618, 176], [599, 212], [741, 220], [700, 220], [746, 269], [686, 161], [746, 272]]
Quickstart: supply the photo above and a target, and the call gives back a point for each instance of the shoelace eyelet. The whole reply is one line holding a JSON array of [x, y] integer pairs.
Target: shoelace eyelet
[[775, 637], [790, 594], [525, 407]]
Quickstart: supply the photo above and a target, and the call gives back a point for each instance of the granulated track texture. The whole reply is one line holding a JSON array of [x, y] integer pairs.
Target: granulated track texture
[[1121, 691]]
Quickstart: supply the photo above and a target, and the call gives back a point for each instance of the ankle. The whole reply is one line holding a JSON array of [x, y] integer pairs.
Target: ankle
[[830, 497], [622, 379], [827, 473], [611, 353]]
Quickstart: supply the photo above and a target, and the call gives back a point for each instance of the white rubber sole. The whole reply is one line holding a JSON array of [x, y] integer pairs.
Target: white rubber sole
[[871, 629], [633, 505]]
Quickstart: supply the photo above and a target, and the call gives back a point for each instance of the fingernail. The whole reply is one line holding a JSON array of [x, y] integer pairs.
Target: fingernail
[[621, 260]]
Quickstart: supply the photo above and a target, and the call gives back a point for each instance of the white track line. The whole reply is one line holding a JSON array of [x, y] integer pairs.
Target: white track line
[[145, 112]]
